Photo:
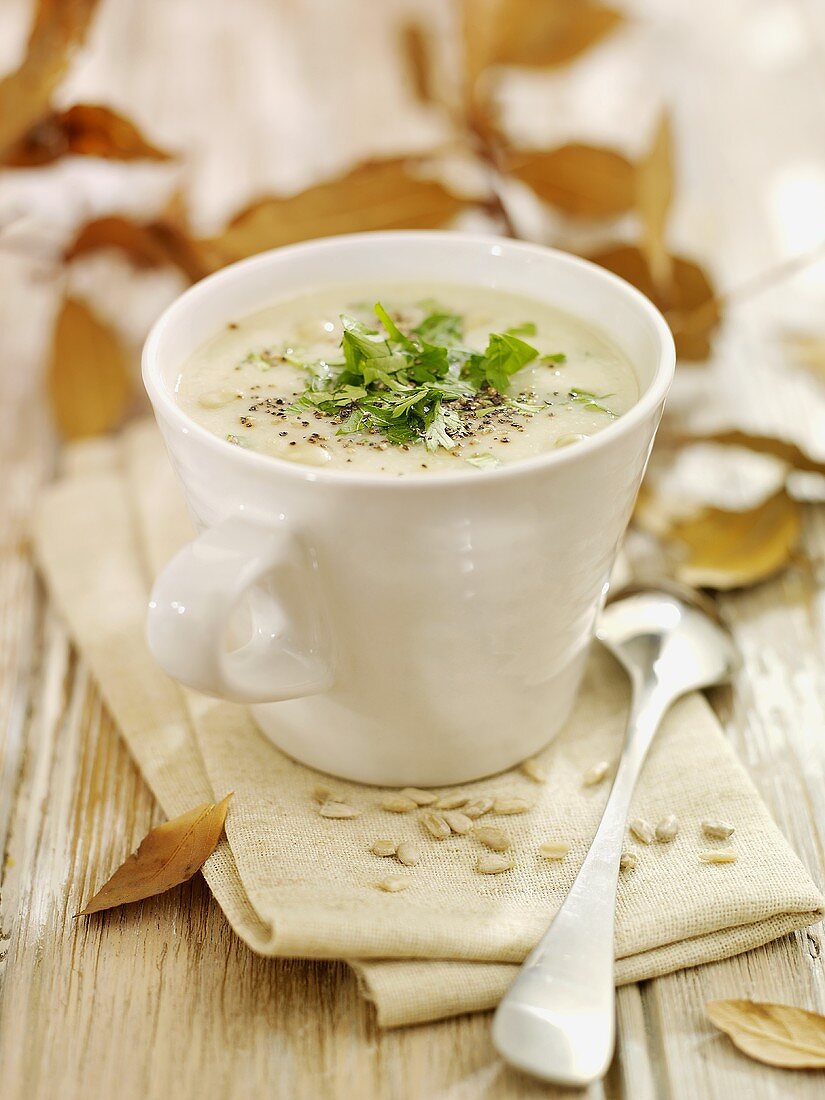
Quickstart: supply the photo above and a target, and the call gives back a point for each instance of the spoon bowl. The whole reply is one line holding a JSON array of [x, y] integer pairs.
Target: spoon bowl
[[673, 631]]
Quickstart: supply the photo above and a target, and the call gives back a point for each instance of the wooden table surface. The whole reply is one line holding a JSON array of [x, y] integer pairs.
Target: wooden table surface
[[160, 999]]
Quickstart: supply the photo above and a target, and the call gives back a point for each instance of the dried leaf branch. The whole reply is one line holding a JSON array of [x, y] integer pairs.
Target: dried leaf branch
[[58, 29]]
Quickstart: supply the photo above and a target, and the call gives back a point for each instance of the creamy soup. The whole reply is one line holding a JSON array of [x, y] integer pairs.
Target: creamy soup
[[405, 378]]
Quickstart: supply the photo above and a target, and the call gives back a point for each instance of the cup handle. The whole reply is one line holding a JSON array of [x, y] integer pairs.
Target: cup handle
[[198, 593]]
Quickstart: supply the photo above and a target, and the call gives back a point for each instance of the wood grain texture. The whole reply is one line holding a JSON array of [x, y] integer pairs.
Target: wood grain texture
[[160, 999]]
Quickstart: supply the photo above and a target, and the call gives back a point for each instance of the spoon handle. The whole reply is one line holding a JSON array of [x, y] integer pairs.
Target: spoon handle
[[557, 1020]]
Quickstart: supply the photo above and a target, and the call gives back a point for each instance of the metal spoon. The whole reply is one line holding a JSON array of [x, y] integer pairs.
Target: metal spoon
[[557, 1020]]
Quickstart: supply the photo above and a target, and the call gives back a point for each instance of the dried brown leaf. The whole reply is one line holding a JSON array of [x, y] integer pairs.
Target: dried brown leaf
[[89, 380], [808, 351], [778, 1035], [540, 33], [583, 180], [146, 244], [690, 303], [82, 130], [737, 549], [58, 28], [168, 855], [654, 195], [416, 48], [375, 195]]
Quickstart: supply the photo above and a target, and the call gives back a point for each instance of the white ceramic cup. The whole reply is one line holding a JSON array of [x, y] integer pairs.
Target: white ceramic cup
[[427, 630]]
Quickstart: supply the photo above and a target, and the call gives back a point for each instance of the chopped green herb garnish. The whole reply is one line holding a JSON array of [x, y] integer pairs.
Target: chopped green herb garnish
[[559, 357], [420, 385], [592, 401], [442, 328], [528, 328]]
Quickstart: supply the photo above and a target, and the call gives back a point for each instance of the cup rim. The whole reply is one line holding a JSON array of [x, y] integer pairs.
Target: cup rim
[[163, 401]]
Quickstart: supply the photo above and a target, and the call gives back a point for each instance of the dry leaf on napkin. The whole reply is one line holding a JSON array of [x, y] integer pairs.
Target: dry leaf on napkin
[[735, 549], [380, 194], [25, 94], [654, 195], [778, 1035], [689, 303], [552, 32], [146, 244], [89, 380], [168, 855], [583, 180], [83, 130]]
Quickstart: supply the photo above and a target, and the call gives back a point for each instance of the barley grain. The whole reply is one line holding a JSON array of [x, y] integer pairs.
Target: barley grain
[[398, 804], [666, 829], [408, 853], [452, 801], [642, 830], [553, 849], [492, 837], [435, 825], [458, 822], [534, 770], [511, 804], [596, 774], [338, 810], [383, 848], [628, 861], [419, 797], [477, 806], [493, 863], [718, 855], [718, 830], [393, 885]]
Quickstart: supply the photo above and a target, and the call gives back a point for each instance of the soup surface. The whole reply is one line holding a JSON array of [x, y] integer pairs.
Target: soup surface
[[436, 378]]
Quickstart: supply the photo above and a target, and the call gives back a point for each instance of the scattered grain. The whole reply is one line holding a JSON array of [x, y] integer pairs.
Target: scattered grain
[[718, 855], [511, 804], [642, 830], [419, 797], [493, 863], [492, 837], [452, 801], [393, 885], [477, 806], [596, 774], [339, 810], [718, 830], [458, 822], [667, 828], [383, 848], [435, 825], [398, 804], [553, 849], [628, 861], [408, 853], [534, 770]]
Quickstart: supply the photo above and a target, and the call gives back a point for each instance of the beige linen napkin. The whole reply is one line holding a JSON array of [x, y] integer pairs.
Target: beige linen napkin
[[293, 883]]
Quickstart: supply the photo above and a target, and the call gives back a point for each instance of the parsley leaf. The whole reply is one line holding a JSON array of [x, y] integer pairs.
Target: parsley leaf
[[527, 328], [504, 356], [442, 328], [592, 401]]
